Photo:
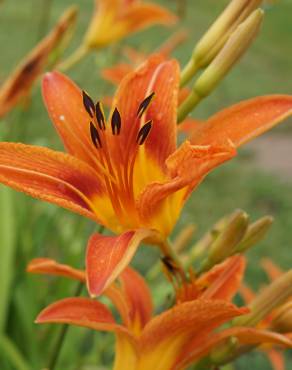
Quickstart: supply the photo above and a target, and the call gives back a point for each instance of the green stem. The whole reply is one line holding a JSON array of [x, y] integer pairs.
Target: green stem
[[63, 332], [74, 58], [188, 72], [12, 354], [188, 105], [44, 18], [62, 335]]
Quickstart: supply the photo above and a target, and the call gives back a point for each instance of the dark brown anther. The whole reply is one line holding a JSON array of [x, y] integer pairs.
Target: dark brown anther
[[116, 122], [88, 104], [144, 132], [169, 264], [95, 136], [144, 105], [100, 116]]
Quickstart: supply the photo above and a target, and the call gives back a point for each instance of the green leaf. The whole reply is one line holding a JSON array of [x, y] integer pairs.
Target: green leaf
[[12, 354], [7, 250]]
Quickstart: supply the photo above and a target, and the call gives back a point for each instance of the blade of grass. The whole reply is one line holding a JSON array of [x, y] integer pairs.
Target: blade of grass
[[12, 354], [7, 251]]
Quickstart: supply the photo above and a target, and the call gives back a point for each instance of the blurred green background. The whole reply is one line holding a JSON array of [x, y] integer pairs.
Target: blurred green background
[[29, 228]]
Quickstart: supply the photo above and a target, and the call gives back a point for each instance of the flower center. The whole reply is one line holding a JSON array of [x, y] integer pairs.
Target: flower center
[[117, 157]]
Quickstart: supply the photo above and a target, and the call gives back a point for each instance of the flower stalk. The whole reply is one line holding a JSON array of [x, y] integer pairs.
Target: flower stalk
[[73, 59]]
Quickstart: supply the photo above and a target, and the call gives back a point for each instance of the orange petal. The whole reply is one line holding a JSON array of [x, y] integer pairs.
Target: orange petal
[[138, 297], [187, 167], [223, 281], [116, 73], [190, 125], [19, 83], [276, 358], [49, 175], [132, 299], [81, 312], [142, 15], [126, 353], [195, 318], [244, 121], [51, 267], [107, 257], [162, 78], [165, 337], [64, 103], [197, 348]]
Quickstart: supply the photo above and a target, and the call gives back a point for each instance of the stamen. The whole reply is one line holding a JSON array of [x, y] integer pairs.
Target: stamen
[[116, 122], [95, 136], [144, 105], [100, 116], [88, 104], [144, 132], [169, 264]]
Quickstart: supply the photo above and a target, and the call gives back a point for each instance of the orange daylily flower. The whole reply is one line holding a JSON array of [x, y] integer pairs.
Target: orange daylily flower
[[18, 85], [115, 19], [128, 174], [142, 341]]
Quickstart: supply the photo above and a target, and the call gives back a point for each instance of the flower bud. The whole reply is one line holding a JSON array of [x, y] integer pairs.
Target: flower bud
[[237, 44], [227, 240], [202, 246], [269, 299], [216, 36], [255, 233], [282, 323]]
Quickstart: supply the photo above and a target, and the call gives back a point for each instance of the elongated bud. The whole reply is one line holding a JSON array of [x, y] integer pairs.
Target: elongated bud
[[184, 237], [269, 299], [203, 245], [282, 323], [226, 242], [216, 36], [237, 44], [255, 233]]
